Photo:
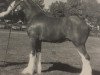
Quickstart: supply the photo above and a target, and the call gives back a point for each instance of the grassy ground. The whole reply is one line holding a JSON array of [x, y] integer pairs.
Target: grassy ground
[[57, 59]]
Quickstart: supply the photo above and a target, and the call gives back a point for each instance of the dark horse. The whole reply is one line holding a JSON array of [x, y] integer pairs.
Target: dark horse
[[43, 28]]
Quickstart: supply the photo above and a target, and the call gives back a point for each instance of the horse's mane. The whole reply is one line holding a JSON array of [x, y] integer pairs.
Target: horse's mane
[[38, 6], [33, 3]]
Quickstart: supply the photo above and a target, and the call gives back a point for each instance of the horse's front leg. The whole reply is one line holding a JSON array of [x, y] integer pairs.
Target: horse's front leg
[[32, 59], [38, 63], [31, 65], [38, 57]]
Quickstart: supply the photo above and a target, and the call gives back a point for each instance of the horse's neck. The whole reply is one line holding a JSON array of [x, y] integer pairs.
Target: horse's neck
[[32, 10]]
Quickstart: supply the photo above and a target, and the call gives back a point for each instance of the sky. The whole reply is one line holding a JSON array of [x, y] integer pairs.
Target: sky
[[48, 2], [98, 1]]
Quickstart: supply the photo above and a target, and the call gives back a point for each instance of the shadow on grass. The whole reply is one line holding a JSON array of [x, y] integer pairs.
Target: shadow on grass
[[7, 64], [96, 72], [62, 67], [55, 66], [65, 67]]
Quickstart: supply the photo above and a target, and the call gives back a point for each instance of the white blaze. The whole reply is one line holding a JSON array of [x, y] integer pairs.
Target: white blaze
[[31, 65], [2, 14], [86, 68]]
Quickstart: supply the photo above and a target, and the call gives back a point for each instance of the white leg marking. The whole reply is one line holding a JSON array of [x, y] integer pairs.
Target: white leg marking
[[31, 65], [2, 14], [39, 64], [86, 68]]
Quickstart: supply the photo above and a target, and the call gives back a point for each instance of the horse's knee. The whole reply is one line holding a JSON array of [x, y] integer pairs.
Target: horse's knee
[[33, 52], [87, 57]]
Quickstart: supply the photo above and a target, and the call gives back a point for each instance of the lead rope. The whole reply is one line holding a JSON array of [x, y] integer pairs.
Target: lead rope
[[9, 36], [7, 47], [8, 42]]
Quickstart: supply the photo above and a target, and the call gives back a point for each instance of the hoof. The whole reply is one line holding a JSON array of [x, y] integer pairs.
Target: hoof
[[81, 74], [27, 71], [39, 72], [85, 74]]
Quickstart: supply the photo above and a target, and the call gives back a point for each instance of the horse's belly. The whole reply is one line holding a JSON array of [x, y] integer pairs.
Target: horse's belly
[[54, 40], [54, 37]]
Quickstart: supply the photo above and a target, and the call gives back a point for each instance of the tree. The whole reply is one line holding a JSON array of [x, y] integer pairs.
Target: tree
[[90, 10], [74, 7], [57, 9], [74, 3], [40, 3]]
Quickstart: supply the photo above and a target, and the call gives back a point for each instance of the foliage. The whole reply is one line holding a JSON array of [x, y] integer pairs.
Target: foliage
[[71, 7], [40, 3], [83, 8], [74, 7], [74, 3], [90, 10], [57, 9]]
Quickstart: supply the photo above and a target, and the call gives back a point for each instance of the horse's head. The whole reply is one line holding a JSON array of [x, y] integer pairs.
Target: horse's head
[[11, 7], [29, 6], [20, 4]]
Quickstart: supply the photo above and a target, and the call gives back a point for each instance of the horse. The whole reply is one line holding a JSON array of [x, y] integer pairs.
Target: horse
[[44, 28]]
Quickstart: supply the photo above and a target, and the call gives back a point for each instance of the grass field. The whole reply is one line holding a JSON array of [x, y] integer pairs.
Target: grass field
[[57, 59]]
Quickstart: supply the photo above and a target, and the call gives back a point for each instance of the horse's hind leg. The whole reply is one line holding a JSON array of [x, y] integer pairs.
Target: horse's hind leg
[[32, 59], [86, 68]]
